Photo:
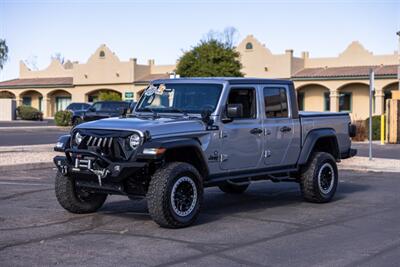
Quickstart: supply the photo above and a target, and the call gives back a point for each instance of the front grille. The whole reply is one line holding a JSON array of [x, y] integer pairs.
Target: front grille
[[102, 142], [113, 145]]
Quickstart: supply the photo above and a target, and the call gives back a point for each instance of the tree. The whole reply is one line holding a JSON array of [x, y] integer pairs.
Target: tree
[[3, 52], [59, 57], [210, 58], [109, 96]]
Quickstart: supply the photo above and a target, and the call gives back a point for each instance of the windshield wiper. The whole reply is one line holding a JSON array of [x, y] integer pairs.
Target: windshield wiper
[[155, 115], [172, 109]]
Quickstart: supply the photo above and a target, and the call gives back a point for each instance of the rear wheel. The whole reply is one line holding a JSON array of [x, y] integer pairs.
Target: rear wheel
[[233, 188], [175, 195], [319, 181], [75, 199]]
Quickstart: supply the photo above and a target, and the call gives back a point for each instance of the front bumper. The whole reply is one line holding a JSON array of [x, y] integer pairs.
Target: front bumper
[[88, 164]]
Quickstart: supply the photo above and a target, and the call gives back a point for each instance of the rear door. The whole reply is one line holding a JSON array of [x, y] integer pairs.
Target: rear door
[[242, 139], [93, 112], [281, 130]]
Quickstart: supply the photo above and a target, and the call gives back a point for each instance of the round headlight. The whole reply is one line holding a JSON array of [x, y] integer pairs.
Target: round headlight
[[134, 141], [78, 138]]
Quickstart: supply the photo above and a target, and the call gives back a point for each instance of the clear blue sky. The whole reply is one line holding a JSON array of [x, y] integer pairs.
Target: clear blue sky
[[161, 30]]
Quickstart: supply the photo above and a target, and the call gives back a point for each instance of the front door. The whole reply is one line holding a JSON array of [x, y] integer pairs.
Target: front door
[[279, 129], [242, 139]]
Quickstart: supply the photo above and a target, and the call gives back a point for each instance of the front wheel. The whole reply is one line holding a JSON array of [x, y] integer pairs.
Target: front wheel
[[319, 181], [74, 199], [175, 195]]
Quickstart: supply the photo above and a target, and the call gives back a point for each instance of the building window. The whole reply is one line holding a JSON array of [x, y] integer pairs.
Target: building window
[[345, 102], [327, 101], [275, 100], [27, 101], [249, 46], [102, 54], [300, 100]]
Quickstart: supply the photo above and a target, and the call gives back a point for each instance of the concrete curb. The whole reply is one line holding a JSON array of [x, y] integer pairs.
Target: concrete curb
[[30, 148], [34, 127], [27, 166]]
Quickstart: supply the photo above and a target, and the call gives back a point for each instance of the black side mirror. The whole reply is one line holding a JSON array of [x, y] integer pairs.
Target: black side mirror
[[234, 111]]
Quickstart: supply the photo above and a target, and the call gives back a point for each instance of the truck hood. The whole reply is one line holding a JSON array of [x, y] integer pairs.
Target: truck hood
[[156, 127]]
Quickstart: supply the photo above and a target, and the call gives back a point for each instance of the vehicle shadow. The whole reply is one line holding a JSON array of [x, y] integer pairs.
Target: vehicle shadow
[[216, 205]]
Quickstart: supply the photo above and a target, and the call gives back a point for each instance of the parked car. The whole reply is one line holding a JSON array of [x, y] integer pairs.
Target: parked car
[[187, 134], [105, 109], [78, 110]]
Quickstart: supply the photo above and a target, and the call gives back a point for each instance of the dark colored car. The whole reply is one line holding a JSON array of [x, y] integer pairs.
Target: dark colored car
[[78, 110], [105, 109]]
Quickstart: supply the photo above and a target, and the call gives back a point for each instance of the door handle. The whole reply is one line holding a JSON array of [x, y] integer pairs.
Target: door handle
[[256, 131], [285, 129]]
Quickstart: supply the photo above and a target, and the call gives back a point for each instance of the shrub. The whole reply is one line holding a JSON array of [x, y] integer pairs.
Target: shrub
[[109, 96], [376, 127], [63, 118], [29, 113], [361, 131]]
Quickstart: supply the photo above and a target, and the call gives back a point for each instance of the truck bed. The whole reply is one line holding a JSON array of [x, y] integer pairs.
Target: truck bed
[[338, 121]]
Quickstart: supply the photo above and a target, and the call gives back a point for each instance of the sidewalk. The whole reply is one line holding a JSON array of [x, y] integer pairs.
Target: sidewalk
[[25, 157], [26, 123]]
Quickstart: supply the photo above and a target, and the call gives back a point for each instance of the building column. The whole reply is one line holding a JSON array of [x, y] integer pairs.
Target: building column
[[47, 107], [18, 100], [334, 99], [379, 102]]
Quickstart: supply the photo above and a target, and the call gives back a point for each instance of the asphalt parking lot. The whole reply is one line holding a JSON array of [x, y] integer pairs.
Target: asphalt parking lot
[[30, 136], [269, 225]]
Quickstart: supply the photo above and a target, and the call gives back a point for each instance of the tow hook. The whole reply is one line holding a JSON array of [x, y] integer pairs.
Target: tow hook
[[100, 174]]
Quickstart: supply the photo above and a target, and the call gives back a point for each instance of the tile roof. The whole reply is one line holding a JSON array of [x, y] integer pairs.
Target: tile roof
[[34, 82], [150, 77], [354, 71]]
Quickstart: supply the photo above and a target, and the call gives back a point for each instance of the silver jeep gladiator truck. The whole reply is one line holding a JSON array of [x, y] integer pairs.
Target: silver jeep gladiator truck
[[188, 134]]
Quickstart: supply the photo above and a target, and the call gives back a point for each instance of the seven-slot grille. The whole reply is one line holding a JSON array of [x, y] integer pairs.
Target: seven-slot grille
[[102, 142]]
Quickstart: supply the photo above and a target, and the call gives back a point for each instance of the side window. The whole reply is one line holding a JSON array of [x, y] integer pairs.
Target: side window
[[97, 106], [276, 104], [246, 97]]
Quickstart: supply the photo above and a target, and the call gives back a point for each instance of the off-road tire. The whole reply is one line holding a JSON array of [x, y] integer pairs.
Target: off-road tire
[[232, 188], [66, 194], [159, 195], [309, 182]]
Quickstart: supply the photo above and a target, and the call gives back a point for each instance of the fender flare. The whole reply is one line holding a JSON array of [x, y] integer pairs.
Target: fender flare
[[173, 144], [312, 138]]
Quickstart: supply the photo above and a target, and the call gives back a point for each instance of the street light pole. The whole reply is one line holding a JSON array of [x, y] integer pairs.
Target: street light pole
[[398, 56]]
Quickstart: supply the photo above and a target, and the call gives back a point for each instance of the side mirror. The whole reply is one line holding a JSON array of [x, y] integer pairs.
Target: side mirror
[[234, 111], [91, 109]]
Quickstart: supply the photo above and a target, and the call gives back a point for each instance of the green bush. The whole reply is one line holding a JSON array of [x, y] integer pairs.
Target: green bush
[[376, 127], [63, 118], [109, 96], [29, 113]]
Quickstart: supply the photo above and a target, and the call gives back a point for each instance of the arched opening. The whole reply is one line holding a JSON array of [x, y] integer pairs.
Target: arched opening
[[94, 96], [354, 98], [7, 94], [387, 90], [33, 99], [59, 100], [313, 97]]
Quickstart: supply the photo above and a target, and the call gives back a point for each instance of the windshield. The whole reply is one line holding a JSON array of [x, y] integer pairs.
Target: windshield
[[186, 98]]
